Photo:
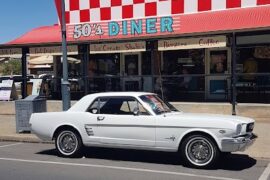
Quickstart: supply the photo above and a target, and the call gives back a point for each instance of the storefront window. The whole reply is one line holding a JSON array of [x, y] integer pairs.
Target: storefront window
[[105, 64], [146, 63], [131, 65], [74, 67], [103, 72], [218, 62], [75, 77], [175, 61], [183, 74], [253, 60], [253, 72]]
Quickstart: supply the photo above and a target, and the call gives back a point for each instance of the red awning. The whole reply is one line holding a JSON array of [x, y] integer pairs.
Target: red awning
[[41, 35], [219, 21]]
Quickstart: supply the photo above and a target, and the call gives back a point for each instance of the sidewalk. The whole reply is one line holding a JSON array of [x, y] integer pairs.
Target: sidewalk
[[260, 149], [8, 131]]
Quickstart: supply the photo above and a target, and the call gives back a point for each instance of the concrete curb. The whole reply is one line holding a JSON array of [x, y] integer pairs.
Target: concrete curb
[[24, 139]]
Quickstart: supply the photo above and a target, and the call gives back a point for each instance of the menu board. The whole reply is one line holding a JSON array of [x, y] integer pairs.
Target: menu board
[[6, 88], [36, 86]]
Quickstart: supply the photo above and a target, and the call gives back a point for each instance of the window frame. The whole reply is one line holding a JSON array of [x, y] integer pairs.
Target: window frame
[[114, 97]]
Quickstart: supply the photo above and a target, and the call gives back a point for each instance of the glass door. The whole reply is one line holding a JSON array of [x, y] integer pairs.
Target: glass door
[[218, 74], [131, 70]]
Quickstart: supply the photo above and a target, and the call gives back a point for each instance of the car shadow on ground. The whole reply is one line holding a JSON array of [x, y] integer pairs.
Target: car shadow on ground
[[233, 162]]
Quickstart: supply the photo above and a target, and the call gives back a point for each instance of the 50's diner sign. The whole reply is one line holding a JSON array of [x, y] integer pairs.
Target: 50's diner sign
[[124, 29]]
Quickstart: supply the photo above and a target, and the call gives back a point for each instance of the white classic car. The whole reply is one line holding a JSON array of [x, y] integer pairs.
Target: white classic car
[[141, 120]]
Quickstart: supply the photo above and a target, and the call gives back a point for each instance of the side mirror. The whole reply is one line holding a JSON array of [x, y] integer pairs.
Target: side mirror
[[94, 110], [136, 111]]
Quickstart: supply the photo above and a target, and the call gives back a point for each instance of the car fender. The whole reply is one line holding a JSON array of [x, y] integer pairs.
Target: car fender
[[199, 130], [66, 124]]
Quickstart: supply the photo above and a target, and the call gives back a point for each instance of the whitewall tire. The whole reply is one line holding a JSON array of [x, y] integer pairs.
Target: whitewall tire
[[68, 143], [199, 151]]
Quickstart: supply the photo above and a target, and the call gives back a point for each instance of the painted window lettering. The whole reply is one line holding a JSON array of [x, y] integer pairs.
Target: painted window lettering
[[208, 42]]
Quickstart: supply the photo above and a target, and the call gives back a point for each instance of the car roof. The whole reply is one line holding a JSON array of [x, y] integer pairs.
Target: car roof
[[83, 103], [120, 94]]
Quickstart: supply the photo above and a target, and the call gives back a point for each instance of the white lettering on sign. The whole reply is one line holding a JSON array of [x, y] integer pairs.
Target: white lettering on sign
[[192, 43], [53, 50], [117, 47], [86, 30]]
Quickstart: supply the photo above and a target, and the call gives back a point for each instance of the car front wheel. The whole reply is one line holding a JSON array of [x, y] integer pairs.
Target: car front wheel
[[68, 143], [199, 151]]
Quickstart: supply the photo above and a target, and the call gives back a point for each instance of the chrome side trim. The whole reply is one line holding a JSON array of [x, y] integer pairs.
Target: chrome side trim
[[150, 126], [89, 130]]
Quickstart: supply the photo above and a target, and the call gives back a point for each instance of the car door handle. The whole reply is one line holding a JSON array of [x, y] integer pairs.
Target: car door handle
[[100, 118]]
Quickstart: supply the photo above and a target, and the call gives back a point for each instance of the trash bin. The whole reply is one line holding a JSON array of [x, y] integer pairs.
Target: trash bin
[[24, 108]]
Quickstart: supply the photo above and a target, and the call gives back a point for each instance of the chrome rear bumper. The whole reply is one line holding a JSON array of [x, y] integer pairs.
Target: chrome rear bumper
[[240, 143]]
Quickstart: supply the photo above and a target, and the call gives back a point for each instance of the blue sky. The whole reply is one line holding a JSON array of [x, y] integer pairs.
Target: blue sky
[[20, 16]]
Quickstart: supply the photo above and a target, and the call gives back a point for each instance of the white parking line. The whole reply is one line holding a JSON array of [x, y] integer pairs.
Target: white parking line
[[118, 168], [10, 145], [265, 173]]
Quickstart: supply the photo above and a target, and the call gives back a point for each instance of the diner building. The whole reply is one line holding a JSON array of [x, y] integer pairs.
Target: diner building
[[184, 50]]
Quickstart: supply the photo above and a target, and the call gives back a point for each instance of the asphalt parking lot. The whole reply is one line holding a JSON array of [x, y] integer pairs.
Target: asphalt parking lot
[[40, 161]]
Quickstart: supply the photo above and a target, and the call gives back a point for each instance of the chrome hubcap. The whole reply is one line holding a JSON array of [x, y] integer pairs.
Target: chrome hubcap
[[199, 151], [67, 142]]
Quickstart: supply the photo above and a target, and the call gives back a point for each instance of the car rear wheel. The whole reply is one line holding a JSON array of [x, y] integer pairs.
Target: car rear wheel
[[199, 151], [68, 143]]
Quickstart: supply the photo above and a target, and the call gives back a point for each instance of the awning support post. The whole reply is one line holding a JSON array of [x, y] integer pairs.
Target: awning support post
[[233, 84], [25, 51]]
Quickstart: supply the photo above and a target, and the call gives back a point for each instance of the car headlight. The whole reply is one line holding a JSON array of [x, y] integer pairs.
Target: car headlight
[[250, 127], [238, 129]]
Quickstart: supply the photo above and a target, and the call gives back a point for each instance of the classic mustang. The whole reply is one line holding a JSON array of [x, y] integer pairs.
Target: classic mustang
[[141, 120]]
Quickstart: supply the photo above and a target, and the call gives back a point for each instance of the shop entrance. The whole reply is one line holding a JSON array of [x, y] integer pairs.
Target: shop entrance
[[131, 70], [218, 70]]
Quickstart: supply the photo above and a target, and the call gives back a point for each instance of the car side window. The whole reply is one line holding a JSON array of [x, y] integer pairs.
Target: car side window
[[116, 105], [125, 107], [97, 104], [112, 106], [142, 110], [135, 104]]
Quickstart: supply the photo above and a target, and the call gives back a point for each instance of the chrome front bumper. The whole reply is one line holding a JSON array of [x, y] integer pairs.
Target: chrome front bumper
[[240, 143]]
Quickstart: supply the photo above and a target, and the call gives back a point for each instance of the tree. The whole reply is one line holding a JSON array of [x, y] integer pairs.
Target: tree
[[13, 66]]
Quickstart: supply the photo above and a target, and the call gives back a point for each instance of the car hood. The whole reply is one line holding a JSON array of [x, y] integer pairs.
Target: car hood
[[203, 117]]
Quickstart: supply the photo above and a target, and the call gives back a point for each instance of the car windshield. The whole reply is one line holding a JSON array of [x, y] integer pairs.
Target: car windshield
[[157, 105]]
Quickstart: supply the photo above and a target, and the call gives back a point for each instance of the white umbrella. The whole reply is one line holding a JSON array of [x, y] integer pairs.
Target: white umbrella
[[41, 60], [72, 60]]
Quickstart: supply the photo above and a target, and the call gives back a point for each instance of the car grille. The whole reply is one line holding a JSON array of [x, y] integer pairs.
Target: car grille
[[250, 127]]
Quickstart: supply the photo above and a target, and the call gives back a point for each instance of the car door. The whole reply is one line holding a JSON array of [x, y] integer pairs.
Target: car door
[[118, 125]]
